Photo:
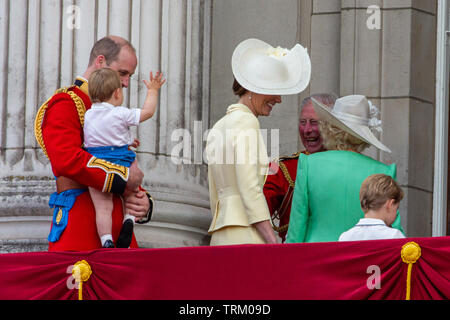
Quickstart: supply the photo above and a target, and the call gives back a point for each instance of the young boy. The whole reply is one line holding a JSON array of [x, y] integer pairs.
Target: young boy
[[380, 198], [107, 136]]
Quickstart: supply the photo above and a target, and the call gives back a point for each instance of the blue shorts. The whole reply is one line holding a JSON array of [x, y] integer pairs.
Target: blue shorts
[[118, 155]]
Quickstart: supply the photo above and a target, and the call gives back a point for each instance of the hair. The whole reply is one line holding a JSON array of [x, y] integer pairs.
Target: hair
[[328, 99], [102, 84], [109, 47], [335, 138], [376, 190], [238, 90]]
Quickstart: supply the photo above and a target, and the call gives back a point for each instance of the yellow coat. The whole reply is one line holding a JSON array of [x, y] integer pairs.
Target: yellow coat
[[237, 168]]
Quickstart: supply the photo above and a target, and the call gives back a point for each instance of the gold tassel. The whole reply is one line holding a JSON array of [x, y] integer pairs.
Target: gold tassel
[[81, 272], [411, 252]]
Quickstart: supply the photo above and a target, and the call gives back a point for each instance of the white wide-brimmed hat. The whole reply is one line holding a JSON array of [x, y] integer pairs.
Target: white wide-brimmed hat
[[263, 69], [355, 115]]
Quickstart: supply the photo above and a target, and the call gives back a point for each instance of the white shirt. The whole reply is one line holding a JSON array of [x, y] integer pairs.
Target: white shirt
[[370, 229], [107, 125]]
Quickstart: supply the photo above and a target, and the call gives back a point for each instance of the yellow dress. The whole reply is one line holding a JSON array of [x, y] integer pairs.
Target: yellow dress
[[237, 167]]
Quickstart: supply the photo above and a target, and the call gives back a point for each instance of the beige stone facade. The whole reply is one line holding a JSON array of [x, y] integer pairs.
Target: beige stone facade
[[384, 49]]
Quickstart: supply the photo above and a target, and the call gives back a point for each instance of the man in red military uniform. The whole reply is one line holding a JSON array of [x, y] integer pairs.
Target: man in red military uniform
[[279, 185], [59, 131]]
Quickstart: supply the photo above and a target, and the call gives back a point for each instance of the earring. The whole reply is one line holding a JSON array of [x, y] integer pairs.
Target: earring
[[250, 97]]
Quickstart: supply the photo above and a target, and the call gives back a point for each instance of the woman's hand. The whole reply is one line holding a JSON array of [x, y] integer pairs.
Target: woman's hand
[[266, 231]]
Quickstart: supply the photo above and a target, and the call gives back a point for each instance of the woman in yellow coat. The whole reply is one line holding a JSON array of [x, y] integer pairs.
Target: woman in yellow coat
[[235, 150]]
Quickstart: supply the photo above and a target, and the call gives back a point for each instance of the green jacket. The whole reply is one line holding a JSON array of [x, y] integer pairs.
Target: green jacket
[[326, 196]]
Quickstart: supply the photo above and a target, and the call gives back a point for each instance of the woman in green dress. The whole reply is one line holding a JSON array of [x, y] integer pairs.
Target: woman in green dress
[[326, 197]]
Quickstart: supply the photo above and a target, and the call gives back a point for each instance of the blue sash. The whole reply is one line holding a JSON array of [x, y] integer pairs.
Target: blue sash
[[118, 155], [62, 204]]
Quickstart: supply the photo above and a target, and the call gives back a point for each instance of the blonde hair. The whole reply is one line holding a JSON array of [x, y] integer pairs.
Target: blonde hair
[[102, 84], [335, 138], [376, 190]]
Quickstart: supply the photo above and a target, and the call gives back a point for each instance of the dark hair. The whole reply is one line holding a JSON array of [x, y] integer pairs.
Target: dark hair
[[109, 47], [238, 90]]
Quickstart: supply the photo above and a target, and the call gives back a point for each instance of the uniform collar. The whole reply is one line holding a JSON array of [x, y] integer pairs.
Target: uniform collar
[[82, 83], [238, 106]]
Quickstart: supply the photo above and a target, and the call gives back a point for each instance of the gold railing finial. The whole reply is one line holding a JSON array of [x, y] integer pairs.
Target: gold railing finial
[[410, 253], [81, 272]]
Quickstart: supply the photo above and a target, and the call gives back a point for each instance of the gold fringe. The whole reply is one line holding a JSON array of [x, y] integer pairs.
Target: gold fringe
[[286, 174], [79, 104]]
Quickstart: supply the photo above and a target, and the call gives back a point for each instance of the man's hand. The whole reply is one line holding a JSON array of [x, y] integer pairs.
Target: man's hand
[[136, 204], [134, 178]]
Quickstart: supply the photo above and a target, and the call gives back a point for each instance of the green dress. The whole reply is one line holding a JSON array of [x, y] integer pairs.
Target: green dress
[[326, 195]]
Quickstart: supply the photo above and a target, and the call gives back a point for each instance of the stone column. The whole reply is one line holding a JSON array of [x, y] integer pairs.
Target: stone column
[[44, 45], [408, 102], [394, 65]]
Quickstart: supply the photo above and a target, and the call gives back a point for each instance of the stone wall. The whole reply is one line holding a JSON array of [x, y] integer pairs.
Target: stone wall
[[44, 45]]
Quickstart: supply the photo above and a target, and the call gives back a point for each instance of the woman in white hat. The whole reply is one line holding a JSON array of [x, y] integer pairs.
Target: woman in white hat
[[236, 153], [326, 197]]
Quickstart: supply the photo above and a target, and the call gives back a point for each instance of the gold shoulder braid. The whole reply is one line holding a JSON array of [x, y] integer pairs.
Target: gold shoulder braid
[[81, 109], [286, 174]]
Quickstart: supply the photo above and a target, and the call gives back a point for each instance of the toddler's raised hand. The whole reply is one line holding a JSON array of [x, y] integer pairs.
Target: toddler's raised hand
[[155, 82]]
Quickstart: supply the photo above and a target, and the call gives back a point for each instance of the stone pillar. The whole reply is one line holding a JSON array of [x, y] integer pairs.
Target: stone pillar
[[408, 103], [44, 45]]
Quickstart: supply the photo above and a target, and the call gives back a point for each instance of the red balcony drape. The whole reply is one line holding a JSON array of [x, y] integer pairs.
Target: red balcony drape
[[248, 272]]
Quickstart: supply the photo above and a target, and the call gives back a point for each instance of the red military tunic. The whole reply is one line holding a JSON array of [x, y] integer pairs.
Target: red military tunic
[[279, 189], [62, 139]]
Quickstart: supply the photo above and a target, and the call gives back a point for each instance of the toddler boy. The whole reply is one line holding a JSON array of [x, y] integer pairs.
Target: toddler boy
[[380, 198]]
